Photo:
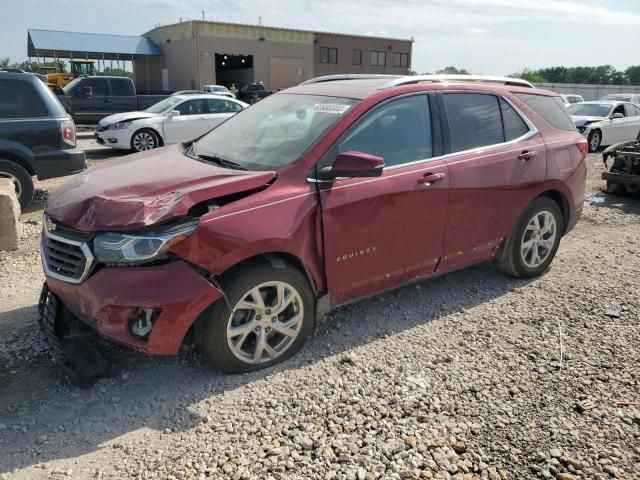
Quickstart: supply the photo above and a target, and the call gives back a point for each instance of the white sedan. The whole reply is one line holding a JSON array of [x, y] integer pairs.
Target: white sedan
[[175, 119], [605, 122]]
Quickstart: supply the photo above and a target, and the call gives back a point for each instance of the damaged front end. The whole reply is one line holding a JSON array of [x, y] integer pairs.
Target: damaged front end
[[624, 174]]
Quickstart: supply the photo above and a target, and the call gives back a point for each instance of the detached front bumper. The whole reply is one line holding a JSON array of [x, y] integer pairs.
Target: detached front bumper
[[109, 299], [120, 139]]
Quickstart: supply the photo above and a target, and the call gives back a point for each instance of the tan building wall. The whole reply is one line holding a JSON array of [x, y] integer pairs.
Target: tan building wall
[[281, 57], [346, 44]]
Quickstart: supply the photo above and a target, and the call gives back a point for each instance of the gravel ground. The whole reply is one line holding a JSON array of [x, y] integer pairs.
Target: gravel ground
[[472, 375]]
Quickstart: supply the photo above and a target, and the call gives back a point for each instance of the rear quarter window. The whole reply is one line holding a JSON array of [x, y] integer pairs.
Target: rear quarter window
[[19, 99], [552, 109], [121, 87]]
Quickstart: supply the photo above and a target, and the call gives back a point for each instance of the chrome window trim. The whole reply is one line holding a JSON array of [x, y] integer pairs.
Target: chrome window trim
[[83, 247], [533, 131]]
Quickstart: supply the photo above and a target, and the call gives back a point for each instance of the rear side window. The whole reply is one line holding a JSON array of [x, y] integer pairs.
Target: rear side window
[[474, 120], [514, 126], [18, 99], [550, 108], [121, 87]]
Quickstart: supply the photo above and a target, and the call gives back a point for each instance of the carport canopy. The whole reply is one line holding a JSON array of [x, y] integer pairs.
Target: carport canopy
[[55, 44]]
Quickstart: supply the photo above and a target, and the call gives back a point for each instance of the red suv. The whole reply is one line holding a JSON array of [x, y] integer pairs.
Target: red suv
[[322, 194]]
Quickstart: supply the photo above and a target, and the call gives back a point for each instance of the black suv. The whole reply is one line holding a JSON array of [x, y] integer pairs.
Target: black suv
[[37, 136]]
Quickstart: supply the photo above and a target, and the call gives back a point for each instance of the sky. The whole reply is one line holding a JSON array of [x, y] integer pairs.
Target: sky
[[484, 36]]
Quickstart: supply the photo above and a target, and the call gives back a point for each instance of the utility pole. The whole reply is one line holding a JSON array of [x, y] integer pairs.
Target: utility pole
[[203, 15], [260, 21]]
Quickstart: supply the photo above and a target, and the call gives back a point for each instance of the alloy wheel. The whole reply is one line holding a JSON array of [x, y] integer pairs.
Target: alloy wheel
[[265, 322], [143, 141], [538, 239], [16, 182], [594, 141]]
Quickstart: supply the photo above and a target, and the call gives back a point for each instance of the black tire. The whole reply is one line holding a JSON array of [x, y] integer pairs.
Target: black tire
[[21, 178], [211, 329], [595, 140], [510, 259], [143, 137]]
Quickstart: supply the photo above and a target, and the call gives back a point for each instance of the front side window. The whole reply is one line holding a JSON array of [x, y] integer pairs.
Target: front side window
[[191, 107], [474, 120], [328, 55], [18, 99], [630, 110], [378, 59], [274, 132], [98, 86], [398, 131]]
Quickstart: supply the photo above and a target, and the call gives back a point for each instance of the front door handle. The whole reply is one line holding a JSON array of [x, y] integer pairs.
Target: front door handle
[[527, 155], [429, 178]]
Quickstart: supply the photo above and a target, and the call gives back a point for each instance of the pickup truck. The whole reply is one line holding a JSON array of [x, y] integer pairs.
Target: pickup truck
[[253, 92], [89, 99]]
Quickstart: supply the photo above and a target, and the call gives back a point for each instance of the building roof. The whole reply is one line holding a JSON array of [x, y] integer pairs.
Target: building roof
[[285, 29], [51, 43]]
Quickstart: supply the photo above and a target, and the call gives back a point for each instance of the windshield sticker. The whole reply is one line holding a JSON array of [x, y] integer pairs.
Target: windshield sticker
[[334, 108]]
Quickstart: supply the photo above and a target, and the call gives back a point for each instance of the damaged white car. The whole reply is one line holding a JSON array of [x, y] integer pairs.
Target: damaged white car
[[606, 122], [176, 119]]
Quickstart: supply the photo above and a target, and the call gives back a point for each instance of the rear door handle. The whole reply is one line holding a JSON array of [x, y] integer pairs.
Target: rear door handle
[[428, 178], [527, 155]]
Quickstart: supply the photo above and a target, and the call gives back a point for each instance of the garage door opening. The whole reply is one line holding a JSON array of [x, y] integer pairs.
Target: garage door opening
[[234, 70]]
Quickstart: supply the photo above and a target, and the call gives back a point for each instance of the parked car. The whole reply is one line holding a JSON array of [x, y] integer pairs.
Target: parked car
[[606, 122], [320, 195], [571, 99], [37, 137], [253, 93], [89, 99], [623, 97], [179, 118], [218, 90]]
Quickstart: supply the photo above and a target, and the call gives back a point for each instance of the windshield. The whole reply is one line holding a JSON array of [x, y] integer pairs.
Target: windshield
[[218, 89], [71, 86], [590, 109], [163, 105], [274, 132]]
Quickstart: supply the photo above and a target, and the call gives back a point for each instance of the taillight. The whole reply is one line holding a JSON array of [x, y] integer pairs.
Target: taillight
[[583, 146], [68, 131]]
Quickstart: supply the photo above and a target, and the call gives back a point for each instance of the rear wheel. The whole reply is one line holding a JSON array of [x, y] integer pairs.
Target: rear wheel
[[270, 318], [528, 252], [144, 140], [595, 138], [21, 180]]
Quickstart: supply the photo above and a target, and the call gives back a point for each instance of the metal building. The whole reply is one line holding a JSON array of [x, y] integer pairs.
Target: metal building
[[196, 53]]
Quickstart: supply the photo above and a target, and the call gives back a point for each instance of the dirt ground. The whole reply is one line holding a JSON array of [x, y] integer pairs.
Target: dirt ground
[[471, 375]]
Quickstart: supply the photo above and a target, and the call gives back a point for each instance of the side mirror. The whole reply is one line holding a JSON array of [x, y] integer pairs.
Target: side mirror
[[173, 113], [616, 115], [85, 92], [353, 164]]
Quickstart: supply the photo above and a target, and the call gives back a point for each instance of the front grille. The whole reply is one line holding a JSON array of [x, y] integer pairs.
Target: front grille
[[64, 257]]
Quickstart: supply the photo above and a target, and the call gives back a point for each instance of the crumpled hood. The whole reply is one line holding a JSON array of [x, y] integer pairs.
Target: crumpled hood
[[121, 117], [581, 121], [144, 189]]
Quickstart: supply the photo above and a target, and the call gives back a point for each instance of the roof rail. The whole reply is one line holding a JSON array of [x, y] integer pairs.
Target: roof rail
[[514, 82], [355, 76]]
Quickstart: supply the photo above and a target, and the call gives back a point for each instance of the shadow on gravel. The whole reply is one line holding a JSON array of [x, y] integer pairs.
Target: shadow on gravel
[[628, 203], [43, 418]]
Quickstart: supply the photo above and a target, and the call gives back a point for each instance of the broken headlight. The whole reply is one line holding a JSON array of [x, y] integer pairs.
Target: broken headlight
[[126, 248]]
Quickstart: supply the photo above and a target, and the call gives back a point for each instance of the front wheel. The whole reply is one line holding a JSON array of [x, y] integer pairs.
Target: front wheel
[[21, 180], [528, 252], [144, 140], [270, 318], [595, 138]]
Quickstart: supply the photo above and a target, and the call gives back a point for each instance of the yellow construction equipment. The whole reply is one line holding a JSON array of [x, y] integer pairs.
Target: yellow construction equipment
[[78, 68]]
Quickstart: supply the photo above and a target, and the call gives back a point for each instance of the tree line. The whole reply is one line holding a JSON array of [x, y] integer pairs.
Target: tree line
[[598, 75]]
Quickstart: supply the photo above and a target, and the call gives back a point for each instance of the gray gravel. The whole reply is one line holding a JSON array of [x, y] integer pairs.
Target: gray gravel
[[469, 376]]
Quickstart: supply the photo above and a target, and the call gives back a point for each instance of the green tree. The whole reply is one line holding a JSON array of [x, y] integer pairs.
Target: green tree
[[452, 71], [633, 74], [529, 75], [4, 62]]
